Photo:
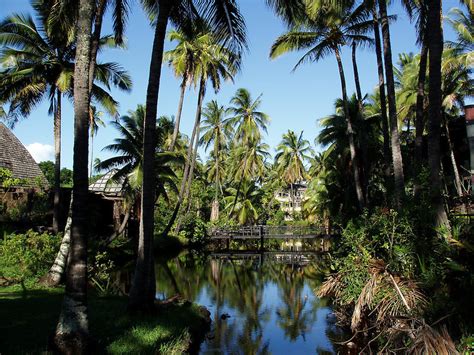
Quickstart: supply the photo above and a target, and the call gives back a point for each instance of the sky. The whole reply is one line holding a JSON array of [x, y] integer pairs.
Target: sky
[[293, 100]]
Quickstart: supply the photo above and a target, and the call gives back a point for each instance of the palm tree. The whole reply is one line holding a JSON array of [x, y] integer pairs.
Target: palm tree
[[397, 160], [129, 156], [292, 152], [39, 63], [244, 210], [228, 24], [435, 48], [324, 34], [183, 58], [72, 331], [215, 131], [215, 62], [94, 122], [247, 118]]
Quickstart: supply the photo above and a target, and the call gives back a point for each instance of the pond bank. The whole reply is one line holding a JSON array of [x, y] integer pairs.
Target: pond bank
[[29, 320]]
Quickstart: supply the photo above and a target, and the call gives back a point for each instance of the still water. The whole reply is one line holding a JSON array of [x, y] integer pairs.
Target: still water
[[259, 303]]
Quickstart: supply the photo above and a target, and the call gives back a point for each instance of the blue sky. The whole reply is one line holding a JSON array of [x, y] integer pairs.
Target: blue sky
[[293, 100]]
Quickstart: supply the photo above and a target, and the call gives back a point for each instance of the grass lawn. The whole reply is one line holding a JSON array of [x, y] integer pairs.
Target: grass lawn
[[28, 319]]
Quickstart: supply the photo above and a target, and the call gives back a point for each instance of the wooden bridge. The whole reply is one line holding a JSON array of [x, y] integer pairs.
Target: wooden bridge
[[264, 232]]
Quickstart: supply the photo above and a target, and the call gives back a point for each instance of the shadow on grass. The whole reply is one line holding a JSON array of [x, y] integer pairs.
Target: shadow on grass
[[30, 318]]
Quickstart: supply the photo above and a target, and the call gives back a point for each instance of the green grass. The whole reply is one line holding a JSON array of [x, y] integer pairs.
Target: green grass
[[29, 318]]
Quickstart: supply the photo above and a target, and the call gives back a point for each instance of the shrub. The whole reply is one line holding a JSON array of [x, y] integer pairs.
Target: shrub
[[27, 255]]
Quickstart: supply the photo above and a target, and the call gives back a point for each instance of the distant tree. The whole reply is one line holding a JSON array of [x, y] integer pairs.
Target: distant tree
[[47, 167], [66, 177]]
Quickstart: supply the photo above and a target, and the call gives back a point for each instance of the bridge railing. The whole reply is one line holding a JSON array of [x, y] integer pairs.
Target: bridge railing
[[259, 231]]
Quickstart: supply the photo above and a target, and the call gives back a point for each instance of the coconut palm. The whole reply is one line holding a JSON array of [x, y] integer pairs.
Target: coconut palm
[[227, 23], [39, 63], [247, 119], [244, 211], [324, 34], [397, 160], [215, 131], [128, 160], [292, 153], [72, 331], [183, 59]]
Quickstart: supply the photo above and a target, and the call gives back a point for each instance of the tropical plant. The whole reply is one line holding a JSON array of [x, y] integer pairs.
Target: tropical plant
[[324, 33], [292, 153], [216, 131], [39, 62], [244, 210], [72, 331]]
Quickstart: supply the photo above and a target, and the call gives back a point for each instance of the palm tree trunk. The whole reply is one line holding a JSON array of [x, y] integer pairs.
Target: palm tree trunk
[[57, 162], [435, 48], [98, 18], [142, 292], [202, 92], [363, 134], [72, 331], [392, 107], [457, 177], [419, 118], [178, 114], [383, 98], [350, 133], [56, 272], [215, 203]]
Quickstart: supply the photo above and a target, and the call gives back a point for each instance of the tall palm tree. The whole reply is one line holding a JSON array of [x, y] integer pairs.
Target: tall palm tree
[[397, 160], [227, 22], [72, 331], [321, 35], [95, 121], [183, 59], [292, 152], [435, 48], [247, 118], [39, 63], [215, 131]]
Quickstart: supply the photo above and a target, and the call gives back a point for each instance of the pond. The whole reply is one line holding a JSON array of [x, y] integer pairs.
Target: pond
[[259, 302]]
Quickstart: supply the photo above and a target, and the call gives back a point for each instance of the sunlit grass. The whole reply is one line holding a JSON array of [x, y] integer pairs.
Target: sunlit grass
[[29, 319]]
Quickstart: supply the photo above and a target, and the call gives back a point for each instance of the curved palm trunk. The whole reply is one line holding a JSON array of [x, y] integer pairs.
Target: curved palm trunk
[[392, 108], [57, 163], [178, 114], [383, 98], [72, 331], [457, 176], [56, 273], [350, 133], [363, 133], [142, 292], [189, 161], [435, 48], [187, 193]]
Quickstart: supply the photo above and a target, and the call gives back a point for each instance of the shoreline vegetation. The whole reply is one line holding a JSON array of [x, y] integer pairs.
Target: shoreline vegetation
[[393, 171], [30, 317]]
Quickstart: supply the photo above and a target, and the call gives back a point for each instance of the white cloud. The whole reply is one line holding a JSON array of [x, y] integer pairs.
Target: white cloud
[[41, 152]]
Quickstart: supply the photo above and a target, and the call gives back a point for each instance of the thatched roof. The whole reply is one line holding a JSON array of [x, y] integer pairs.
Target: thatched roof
[[16, 158]]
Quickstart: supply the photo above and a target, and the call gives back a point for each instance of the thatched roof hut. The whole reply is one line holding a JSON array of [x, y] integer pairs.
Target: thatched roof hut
[[16, 158]]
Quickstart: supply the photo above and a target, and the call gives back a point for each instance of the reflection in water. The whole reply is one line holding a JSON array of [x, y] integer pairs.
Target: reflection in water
[[259, 304]]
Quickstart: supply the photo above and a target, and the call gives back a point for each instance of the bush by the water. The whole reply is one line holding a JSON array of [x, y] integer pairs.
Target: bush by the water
[[28, 255]]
